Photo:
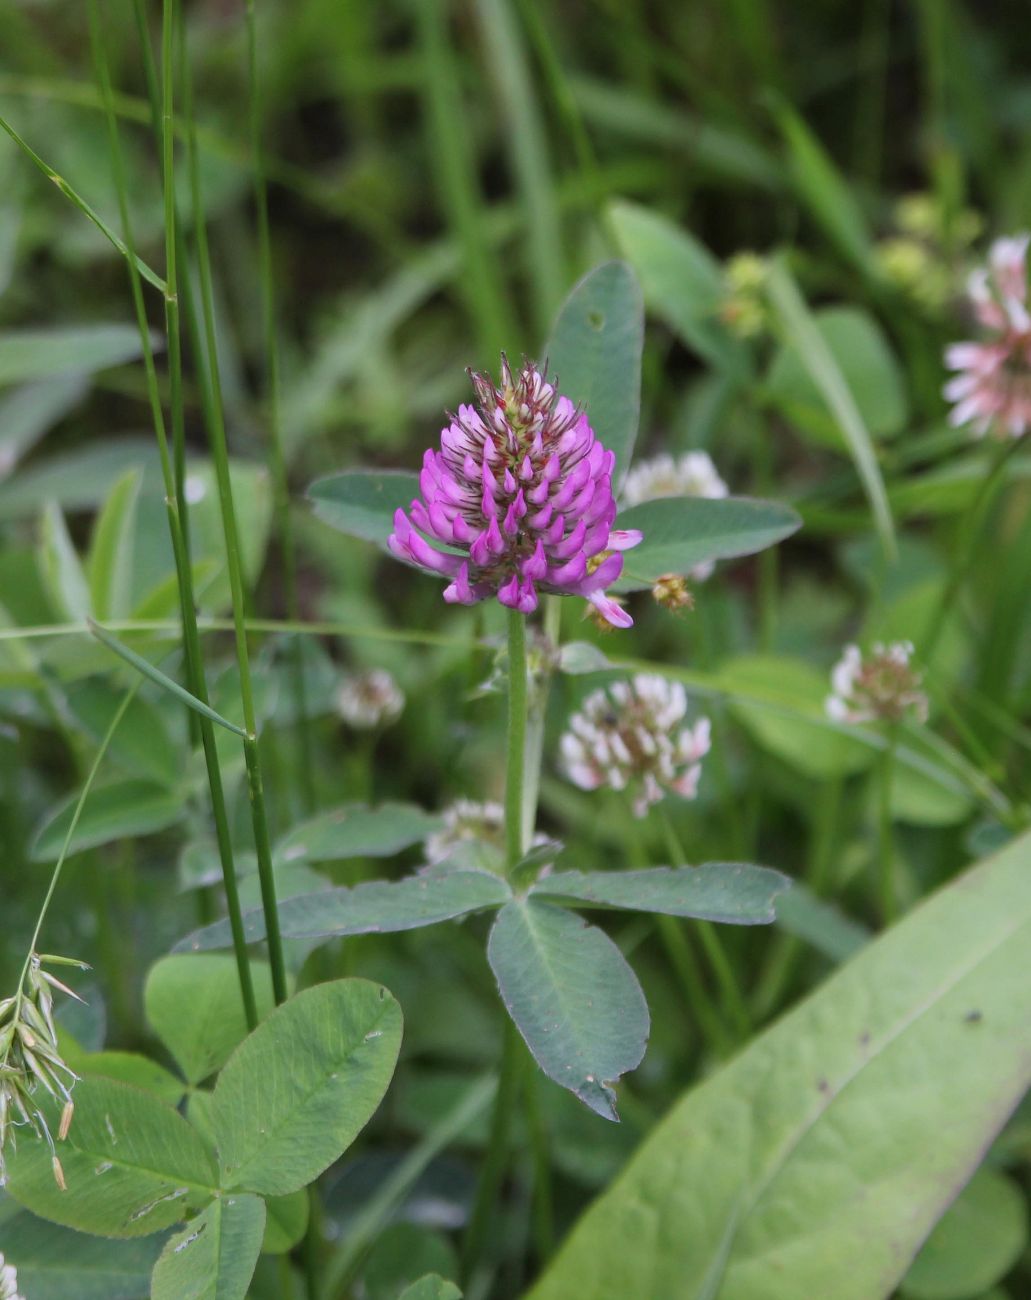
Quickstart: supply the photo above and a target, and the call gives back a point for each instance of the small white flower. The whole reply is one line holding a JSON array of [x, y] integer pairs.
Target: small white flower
[[466, 821], [880, 686], [630, 735], [691, 475], [369, 699], [8, 1281]]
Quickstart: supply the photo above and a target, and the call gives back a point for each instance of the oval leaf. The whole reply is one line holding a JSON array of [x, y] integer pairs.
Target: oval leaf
[[299, 1089], [733, 892], [573, 998], [195, 1007], [362, 502], [132, 1165], [215, 1255], [682, 281], [358, 831], [594, 354], [376, 907], [55, 1263], [816, 1163], [112, 812], [681, 532]]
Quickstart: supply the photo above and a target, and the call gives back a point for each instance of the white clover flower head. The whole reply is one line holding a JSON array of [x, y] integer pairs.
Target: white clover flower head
[[369, 699], [991, 390], [8, 1281], [691, 474], [881, 686], [467, 821], [628, 736]]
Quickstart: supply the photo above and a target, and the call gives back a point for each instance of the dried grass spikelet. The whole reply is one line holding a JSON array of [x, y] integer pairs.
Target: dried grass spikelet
[[31, 1063]]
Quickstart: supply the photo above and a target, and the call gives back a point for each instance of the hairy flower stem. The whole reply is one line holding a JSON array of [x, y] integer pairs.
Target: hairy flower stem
[[215, 421], [515, 777], [520, 815], [174, 505], [885, 773], [733, 999], [966, 545]]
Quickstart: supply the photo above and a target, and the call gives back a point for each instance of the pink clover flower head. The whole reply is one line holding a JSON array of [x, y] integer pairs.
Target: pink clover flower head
[[992, 387], [520, 493], [880, 686], [629, 736]]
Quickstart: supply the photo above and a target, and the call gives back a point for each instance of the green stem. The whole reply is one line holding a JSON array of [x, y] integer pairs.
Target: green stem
[[230, 532], [885, 839], [543, 1200], [733, 998], [492, 1171], [966, 545], [280, 482], [682, 958], [515, 779], [191, 637]]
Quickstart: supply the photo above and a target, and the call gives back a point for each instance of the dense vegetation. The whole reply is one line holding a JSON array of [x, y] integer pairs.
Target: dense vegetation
[[383, 907]]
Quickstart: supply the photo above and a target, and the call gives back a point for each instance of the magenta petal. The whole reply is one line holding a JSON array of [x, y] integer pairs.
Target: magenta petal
[[460, 592], [624, 539], [603, 576], [570, 573], [526, 601], [609, 610], [571, 544], [537, 565], [508, 592]]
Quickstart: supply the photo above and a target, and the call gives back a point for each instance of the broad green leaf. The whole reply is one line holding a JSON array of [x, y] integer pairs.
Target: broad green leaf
[[801, 913], [680, 532], [296, 1093], [195, 1007], [682, 282], [736, 893], [79, 479], [362, 502], [405, 1255], [867, 365], [975, 1244], [55, 1263], [431, 1287], [142, 743], [358, 831], [594, 355], [29, 412], [63, 350], [112, 812], [61, 569], [798, 734], [252, 493], [816, 1162], [131, 1164], [110, 565], [825, 191], [127, 1067], [215, 1255], [375, 907], [573, 998], [286, 1222], [801, 331]]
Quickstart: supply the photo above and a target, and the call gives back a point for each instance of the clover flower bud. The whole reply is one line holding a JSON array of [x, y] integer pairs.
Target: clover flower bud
[[521, 494], [878, 687], [466, 822], [369, 699], [628, 736], [992, 387], [743, 309], [672, 592]]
